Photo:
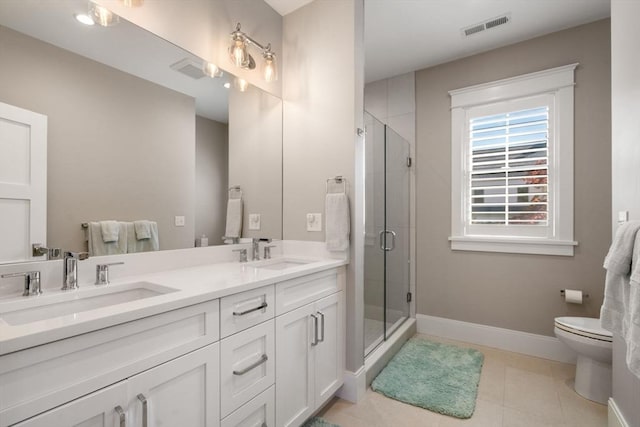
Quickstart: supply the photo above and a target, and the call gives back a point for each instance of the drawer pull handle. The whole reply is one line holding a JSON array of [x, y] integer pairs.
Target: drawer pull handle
[[143, 399], [321, 314], [251, 310], [262, 360], [314, 342], [121, 415]]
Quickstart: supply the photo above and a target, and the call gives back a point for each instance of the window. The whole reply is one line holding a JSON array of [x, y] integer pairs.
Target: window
[[512, 164]]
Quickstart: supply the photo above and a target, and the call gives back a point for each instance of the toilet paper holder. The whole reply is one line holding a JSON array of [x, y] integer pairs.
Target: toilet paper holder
[[583, 294]]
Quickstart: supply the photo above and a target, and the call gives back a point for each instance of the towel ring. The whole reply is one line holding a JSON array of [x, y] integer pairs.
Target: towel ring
[[235, 190], [338, 180], [84, 225]]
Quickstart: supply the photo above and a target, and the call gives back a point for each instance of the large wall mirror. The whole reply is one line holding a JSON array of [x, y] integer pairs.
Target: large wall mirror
[[135, 131]]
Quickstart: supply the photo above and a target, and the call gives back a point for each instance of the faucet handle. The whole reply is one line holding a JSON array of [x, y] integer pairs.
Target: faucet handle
[[267, 251], [102, 273], [31, 282], [243, 254], [77, 255]]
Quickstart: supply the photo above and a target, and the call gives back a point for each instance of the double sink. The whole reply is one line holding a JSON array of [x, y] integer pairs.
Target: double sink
[[33, 309]]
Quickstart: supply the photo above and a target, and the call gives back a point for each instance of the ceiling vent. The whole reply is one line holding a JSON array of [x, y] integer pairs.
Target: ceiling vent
[[189, 67], [486, 25]]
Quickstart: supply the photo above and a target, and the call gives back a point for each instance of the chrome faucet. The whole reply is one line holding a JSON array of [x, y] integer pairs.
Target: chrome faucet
[[70, 269], [256, 247], [31, 282]]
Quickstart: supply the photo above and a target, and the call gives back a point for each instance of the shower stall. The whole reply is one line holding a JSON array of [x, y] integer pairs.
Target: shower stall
[[387, 232]]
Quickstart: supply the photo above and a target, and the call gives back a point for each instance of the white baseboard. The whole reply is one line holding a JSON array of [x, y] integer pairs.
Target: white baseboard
[[615, 418], [505, 339], [354, 387]]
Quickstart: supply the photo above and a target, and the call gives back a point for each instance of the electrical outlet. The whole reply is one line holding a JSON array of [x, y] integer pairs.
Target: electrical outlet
[[254, 221], [179, 221], [314, 222]]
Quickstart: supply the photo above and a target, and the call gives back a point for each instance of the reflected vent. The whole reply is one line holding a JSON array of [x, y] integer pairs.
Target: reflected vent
[[486, 25], [189, 67]]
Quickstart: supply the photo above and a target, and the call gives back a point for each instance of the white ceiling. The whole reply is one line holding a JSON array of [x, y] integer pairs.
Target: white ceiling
[[409, 35], [284, 7]]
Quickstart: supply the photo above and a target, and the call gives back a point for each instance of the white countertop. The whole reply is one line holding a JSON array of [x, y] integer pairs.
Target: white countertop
[[192, 285]]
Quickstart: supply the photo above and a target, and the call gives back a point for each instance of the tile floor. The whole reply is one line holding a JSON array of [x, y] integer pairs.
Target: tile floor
[[515, 391]]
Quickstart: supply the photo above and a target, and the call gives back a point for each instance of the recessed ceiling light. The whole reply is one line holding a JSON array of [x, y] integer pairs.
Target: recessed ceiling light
[[227, 85], [83, 18]]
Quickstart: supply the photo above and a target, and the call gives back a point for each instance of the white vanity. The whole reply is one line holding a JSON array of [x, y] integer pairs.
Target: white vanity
[[223, 344]]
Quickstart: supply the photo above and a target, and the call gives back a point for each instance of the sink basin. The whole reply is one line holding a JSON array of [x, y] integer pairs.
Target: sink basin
[[282, 264], [42, 308]]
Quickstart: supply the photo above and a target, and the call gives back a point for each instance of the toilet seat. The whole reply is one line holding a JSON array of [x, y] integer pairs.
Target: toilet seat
[[587, 327]]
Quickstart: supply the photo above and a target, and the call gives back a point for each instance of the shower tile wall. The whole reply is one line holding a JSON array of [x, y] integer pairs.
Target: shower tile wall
[[392, 101]]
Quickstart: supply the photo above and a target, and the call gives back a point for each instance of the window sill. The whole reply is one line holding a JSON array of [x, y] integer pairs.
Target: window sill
[[516, 245]]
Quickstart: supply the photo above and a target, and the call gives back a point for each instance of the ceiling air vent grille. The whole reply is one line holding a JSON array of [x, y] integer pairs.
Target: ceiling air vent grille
[[189, 67], [486, 25]]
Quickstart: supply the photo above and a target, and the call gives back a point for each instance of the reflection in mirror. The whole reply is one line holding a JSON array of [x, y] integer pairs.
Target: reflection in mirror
[[134, 131]]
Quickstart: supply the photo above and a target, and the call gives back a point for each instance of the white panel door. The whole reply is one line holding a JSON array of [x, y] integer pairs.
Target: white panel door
[[182, 392], [294, 366], [94, 410], [23, 182], [329, 367]]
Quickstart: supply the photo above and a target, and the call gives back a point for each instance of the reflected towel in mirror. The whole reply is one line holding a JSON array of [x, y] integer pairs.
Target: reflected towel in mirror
[[110, 231], [134, 244], [97, 246], [143, 229], [234, 218]]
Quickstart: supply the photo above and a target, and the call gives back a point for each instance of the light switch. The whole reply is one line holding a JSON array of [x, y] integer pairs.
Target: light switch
[[179, 221], [254, 221], [314, 222], [623, 216]]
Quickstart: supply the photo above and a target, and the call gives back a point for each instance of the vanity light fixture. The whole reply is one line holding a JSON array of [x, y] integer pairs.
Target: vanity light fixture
[[102, 16], [132, 3], [240, 56]]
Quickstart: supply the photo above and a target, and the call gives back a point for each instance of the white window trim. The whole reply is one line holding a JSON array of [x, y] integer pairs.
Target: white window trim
[[556, 81]]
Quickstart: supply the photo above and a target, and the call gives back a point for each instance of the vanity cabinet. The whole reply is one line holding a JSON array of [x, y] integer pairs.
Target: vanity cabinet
[[310, 362], [181, 392]]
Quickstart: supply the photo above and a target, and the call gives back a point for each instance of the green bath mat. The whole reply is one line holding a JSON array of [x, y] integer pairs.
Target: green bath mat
[[318, 422], [440, 377]]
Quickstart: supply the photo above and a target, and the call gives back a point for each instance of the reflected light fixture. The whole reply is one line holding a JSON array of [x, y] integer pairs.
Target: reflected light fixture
[[240, 56], [241, 84], [102, 16], [83, 18], [211, 70], [227, 85], [132, 3]]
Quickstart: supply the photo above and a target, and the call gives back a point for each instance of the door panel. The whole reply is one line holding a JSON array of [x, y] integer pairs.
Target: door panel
[[23, 182]]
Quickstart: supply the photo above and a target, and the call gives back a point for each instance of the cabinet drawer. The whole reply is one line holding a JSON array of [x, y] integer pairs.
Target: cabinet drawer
[[39, 378], [246, 309], [295, 293], [259, 411], [247, 365]]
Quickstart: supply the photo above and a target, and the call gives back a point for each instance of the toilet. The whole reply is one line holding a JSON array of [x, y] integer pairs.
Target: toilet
[[594, 347]]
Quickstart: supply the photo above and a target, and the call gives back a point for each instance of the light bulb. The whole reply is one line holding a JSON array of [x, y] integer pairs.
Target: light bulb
[[269, 68], [238, 50], [132, 3], [84, 19]]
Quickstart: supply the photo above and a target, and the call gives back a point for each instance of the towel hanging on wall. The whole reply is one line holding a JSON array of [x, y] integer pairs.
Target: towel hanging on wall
[[338, 220]]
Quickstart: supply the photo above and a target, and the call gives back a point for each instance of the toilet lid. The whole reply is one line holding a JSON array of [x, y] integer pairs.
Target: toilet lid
[[585, 326]]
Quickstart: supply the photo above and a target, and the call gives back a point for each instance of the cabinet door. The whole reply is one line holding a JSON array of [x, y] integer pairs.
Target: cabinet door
[[94, 410], [329, 357], [294, 366], [181, 392]]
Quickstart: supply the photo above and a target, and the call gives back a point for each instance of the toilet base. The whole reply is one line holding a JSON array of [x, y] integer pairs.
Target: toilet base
[[593, 379]]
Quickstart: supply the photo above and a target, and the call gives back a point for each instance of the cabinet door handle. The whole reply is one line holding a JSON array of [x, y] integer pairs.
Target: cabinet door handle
[[121, 415], [251, 310], [314, 342], [321, 314], [145, 411], [262, 360]]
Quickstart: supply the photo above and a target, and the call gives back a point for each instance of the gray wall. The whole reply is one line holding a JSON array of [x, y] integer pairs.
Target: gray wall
[[625, 103], [212, 168], [519, 292], [118, 147]]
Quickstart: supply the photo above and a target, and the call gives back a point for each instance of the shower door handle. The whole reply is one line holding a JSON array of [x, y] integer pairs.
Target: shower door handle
[[393, 240]]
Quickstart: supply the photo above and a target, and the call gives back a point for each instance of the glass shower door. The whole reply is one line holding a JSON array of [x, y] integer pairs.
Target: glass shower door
[[386, 255]]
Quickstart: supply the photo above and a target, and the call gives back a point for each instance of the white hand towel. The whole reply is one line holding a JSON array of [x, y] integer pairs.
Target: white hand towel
[[632, 317], [110, 231], [135, 244], [142, 229], [97, 245], [337, 221], [234, 218], [613, 313]]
